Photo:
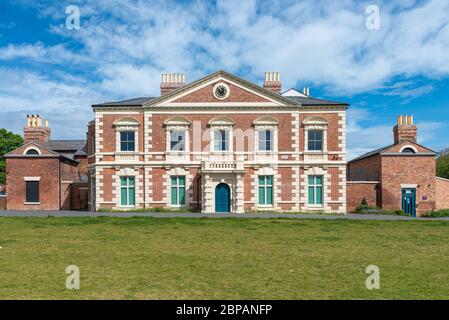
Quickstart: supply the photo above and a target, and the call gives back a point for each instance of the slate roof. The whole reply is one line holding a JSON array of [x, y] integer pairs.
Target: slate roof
[[305, 101], [68, 148], [372, 153], [309, 101], [381, 150], [130, 102]]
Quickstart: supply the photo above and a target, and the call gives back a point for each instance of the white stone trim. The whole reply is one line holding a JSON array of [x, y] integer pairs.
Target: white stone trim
[[295, 134], [99, 125], [148, 185], [32, 178], [409, 186], [342, 133], [32, 148], [148, 134], [408, 146]]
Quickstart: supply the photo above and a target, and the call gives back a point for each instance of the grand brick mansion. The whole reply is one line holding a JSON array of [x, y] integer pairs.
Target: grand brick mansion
[[219, 144]]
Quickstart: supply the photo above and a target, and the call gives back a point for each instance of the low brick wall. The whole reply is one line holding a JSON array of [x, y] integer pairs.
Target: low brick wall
[[2, 202], [356, 191], [442, 193]]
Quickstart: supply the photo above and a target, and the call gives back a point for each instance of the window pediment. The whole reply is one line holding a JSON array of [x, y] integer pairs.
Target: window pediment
[[315, 121], [177, 122], [221, 122], [265, 121], [126, 122]]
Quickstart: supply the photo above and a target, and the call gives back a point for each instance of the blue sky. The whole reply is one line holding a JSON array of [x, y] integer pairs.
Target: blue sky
[[122, 47]]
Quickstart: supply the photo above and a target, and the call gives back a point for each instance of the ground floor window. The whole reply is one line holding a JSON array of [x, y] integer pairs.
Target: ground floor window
[[178, 190], [266, 190], [32, 191], [128, 191], [316, 190]]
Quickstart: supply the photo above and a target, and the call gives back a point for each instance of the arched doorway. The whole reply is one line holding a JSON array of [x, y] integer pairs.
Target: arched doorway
[[222, 198]]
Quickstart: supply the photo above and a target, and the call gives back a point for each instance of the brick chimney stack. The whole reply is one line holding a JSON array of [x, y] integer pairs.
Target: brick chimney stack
[[273, 82], [404, 130], [172, 81], [34, 131]]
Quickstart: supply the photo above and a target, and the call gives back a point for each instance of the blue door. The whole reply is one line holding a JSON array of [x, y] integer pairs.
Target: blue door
[[222, 198], [409, 201]]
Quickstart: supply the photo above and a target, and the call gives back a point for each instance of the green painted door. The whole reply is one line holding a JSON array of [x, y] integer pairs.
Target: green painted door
[[409, 201]]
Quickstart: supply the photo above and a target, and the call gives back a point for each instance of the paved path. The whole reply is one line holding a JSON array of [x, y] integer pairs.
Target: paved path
[[216, 215]]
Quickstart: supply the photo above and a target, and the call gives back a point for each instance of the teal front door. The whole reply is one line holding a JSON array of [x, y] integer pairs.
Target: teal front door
[[409, 201], [222, 198]]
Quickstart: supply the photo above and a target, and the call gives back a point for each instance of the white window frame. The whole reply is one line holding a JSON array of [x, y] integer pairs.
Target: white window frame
[[315, 186], [127, 124], [222, 124], [177, 124], [127, 191], [312, 124]]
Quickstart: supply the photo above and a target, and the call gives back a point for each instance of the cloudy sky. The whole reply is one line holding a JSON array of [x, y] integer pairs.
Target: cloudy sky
[[122, 46]]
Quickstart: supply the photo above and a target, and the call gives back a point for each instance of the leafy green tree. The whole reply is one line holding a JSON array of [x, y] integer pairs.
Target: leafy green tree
[[8, 142], [443, 164]]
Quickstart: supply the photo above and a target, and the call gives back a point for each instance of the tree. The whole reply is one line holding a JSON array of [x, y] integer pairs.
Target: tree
[[8, 142], [443, 164]]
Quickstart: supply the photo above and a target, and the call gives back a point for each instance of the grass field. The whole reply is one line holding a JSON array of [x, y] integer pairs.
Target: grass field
[[148, 258]]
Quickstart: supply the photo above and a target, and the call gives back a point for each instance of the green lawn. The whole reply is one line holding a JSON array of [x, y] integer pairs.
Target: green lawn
[[149, 258]]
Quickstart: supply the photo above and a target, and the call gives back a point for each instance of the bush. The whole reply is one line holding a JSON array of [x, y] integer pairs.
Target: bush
[[437, 214]]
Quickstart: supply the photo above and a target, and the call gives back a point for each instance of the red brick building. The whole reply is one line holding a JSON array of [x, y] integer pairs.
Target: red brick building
[[398, 176], [219, 144], [46, 174]]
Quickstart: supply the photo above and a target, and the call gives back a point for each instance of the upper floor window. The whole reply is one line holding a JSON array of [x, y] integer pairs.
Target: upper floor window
[[221, 129], [315, 140], [177, 134], [315, 131], [127, 133], [177, 140], [265, 140], [127, 141], [221, 142], [266, 129]]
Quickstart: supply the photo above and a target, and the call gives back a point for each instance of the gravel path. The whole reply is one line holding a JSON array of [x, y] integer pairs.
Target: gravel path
[[215, 216]]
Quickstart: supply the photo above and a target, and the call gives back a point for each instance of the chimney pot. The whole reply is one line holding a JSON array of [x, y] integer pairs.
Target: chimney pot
[[171, 81], [273, 82], [404, 130]]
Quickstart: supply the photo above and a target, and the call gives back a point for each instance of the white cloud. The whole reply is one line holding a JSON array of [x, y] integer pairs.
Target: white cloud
[[123, 46]]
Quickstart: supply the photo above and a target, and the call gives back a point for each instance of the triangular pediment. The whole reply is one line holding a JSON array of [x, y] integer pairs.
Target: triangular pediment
[[239, 92], [22, 151], [416, 147]]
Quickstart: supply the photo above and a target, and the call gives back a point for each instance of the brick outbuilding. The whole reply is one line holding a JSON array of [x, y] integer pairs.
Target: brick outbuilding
[[46, 174], [399, 176]]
